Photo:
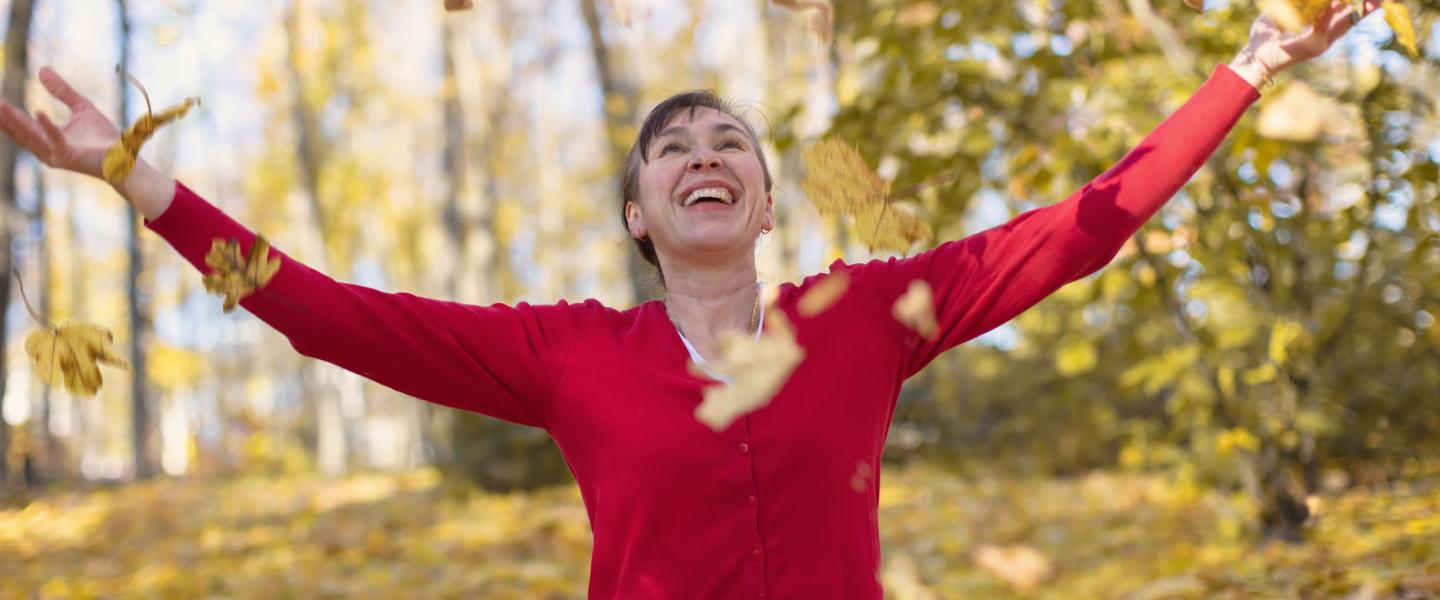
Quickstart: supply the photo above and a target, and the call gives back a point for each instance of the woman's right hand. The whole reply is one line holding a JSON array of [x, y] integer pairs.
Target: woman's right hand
[[78, 145]]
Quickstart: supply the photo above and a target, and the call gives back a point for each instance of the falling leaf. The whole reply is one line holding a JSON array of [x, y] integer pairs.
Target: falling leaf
[[916, 309], [838, 181], [1196, 5], [1293, 15], [120, 159], [454, 5], [236, 277], [72, 353], [919, 14], [821, 19], [1298, 112], [757, 368], [1023, 567], [1398, 16], [166, 34], [823, 294], [621, 10]]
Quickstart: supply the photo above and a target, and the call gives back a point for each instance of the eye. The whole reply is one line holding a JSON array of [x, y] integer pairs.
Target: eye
[[671, 146], [732, 144]]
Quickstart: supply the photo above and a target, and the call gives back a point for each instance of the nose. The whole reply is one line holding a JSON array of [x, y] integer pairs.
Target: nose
[[704, 159]]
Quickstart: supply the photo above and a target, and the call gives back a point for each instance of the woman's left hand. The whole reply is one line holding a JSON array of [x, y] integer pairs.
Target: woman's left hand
[[1272, 50]]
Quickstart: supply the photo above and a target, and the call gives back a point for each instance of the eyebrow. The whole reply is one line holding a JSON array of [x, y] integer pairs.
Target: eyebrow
[[679, 130]]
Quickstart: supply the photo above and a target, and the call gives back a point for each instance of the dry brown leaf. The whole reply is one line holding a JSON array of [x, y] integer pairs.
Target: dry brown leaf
[[821, 18], [72, 353], [838, 182], [821, 296], [1023, 567], [1196, 5], [454, 5], [916, 309], [234, 276], [757, 369], [1398, 16]]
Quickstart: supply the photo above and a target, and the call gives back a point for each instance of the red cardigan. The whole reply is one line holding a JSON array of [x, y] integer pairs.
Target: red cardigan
[[782, 504]]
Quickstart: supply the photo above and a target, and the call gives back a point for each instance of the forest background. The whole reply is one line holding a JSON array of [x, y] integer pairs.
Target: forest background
[[1246, 401]]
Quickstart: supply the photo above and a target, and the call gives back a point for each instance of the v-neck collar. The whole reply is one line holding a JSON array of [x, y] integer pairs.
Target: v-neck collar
[[700, 360]]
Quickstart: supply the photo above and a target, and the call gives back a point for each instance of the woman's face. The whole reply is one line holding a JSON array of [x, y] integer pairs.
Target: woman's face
[[702, 191]]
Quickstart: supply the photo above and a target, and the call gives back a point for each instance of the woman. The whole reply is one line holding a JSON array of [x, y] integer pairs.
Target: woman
[[782, 503]]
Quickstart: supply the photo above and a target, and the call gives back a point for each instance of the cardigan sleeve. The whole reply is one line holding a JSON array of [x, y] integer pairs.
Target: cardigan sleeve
[[985, 279], [498, 360]]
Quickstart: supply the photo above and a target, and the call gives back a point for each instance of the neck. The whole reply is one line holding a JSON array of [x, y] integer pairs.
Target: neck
[[704, 302]]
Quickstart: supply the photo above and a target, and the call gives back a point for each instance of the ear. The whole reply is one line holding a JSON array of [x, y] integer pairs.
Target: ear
[[636, 221], [769, 211]]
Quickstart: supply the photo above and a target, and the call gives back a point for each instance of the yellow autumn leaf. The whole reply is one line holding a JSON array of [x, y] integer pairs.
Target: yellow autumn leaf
[[234, 276], [757, 368], [916, 309], [1398, 16], [1023, 567], [821, 296], [120, 159], [71, 354], [838, 182], [821, 17]]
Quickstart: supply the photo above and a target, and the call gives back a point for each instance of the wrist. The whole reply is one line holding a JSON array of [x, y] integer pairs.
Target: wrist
[[1252, 69], [147, 189]]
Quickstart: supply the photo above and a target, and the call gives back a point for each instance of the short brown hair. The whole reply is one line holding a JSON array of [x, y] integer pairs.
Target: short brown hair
[[654, 123]]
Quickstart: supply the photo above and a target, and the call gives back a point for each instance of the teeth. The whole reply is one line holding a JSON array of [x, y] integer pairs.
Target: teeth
[[713, 192]]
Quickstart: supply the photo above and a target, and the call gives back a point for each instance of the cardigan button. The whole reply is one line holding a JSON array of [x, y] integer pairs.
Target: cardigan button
[[756, 554], [744, 448], [751, 499]]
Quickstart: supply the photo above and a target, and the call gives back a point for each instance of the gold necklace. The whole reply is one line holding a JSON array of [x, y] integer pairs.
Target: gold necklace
[[754, 313]]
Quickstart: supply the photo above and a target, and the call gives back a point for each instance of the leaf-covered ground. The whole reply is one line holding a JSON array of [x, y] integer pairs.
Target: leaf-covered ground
[[399, 536]]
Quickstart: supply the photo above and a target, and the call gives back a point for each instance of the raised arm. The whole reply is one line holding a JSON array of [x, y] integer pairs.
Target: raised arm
[[497, 360], [988, 278]]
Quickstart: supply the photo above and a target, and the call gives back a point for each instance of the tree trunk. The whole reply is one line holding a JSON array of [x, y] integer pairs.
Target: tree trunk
[[140, 419], [17, 42], [619, 102]]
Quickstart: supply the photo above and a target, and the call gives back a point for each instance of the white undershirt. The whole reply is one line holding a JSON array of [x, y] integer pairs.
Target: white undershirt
[[700, 360]]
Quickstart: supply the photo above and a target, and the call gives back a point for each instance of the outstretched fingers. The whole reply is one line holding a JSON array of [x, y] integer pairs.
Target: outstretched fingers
[[52, 133], [21, 128], [61, 90]]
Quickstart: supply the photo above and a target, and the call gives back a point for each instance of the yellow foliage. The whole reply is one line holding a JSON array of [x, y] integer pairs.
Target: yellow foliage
[[236, 277], [72, 352], [1293, 15], [1076, 358], [838, 181]]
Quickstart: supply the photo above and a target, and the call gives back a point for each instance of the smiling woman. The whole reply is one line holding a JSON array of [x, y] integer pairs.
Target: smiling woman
[[782, 502]]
